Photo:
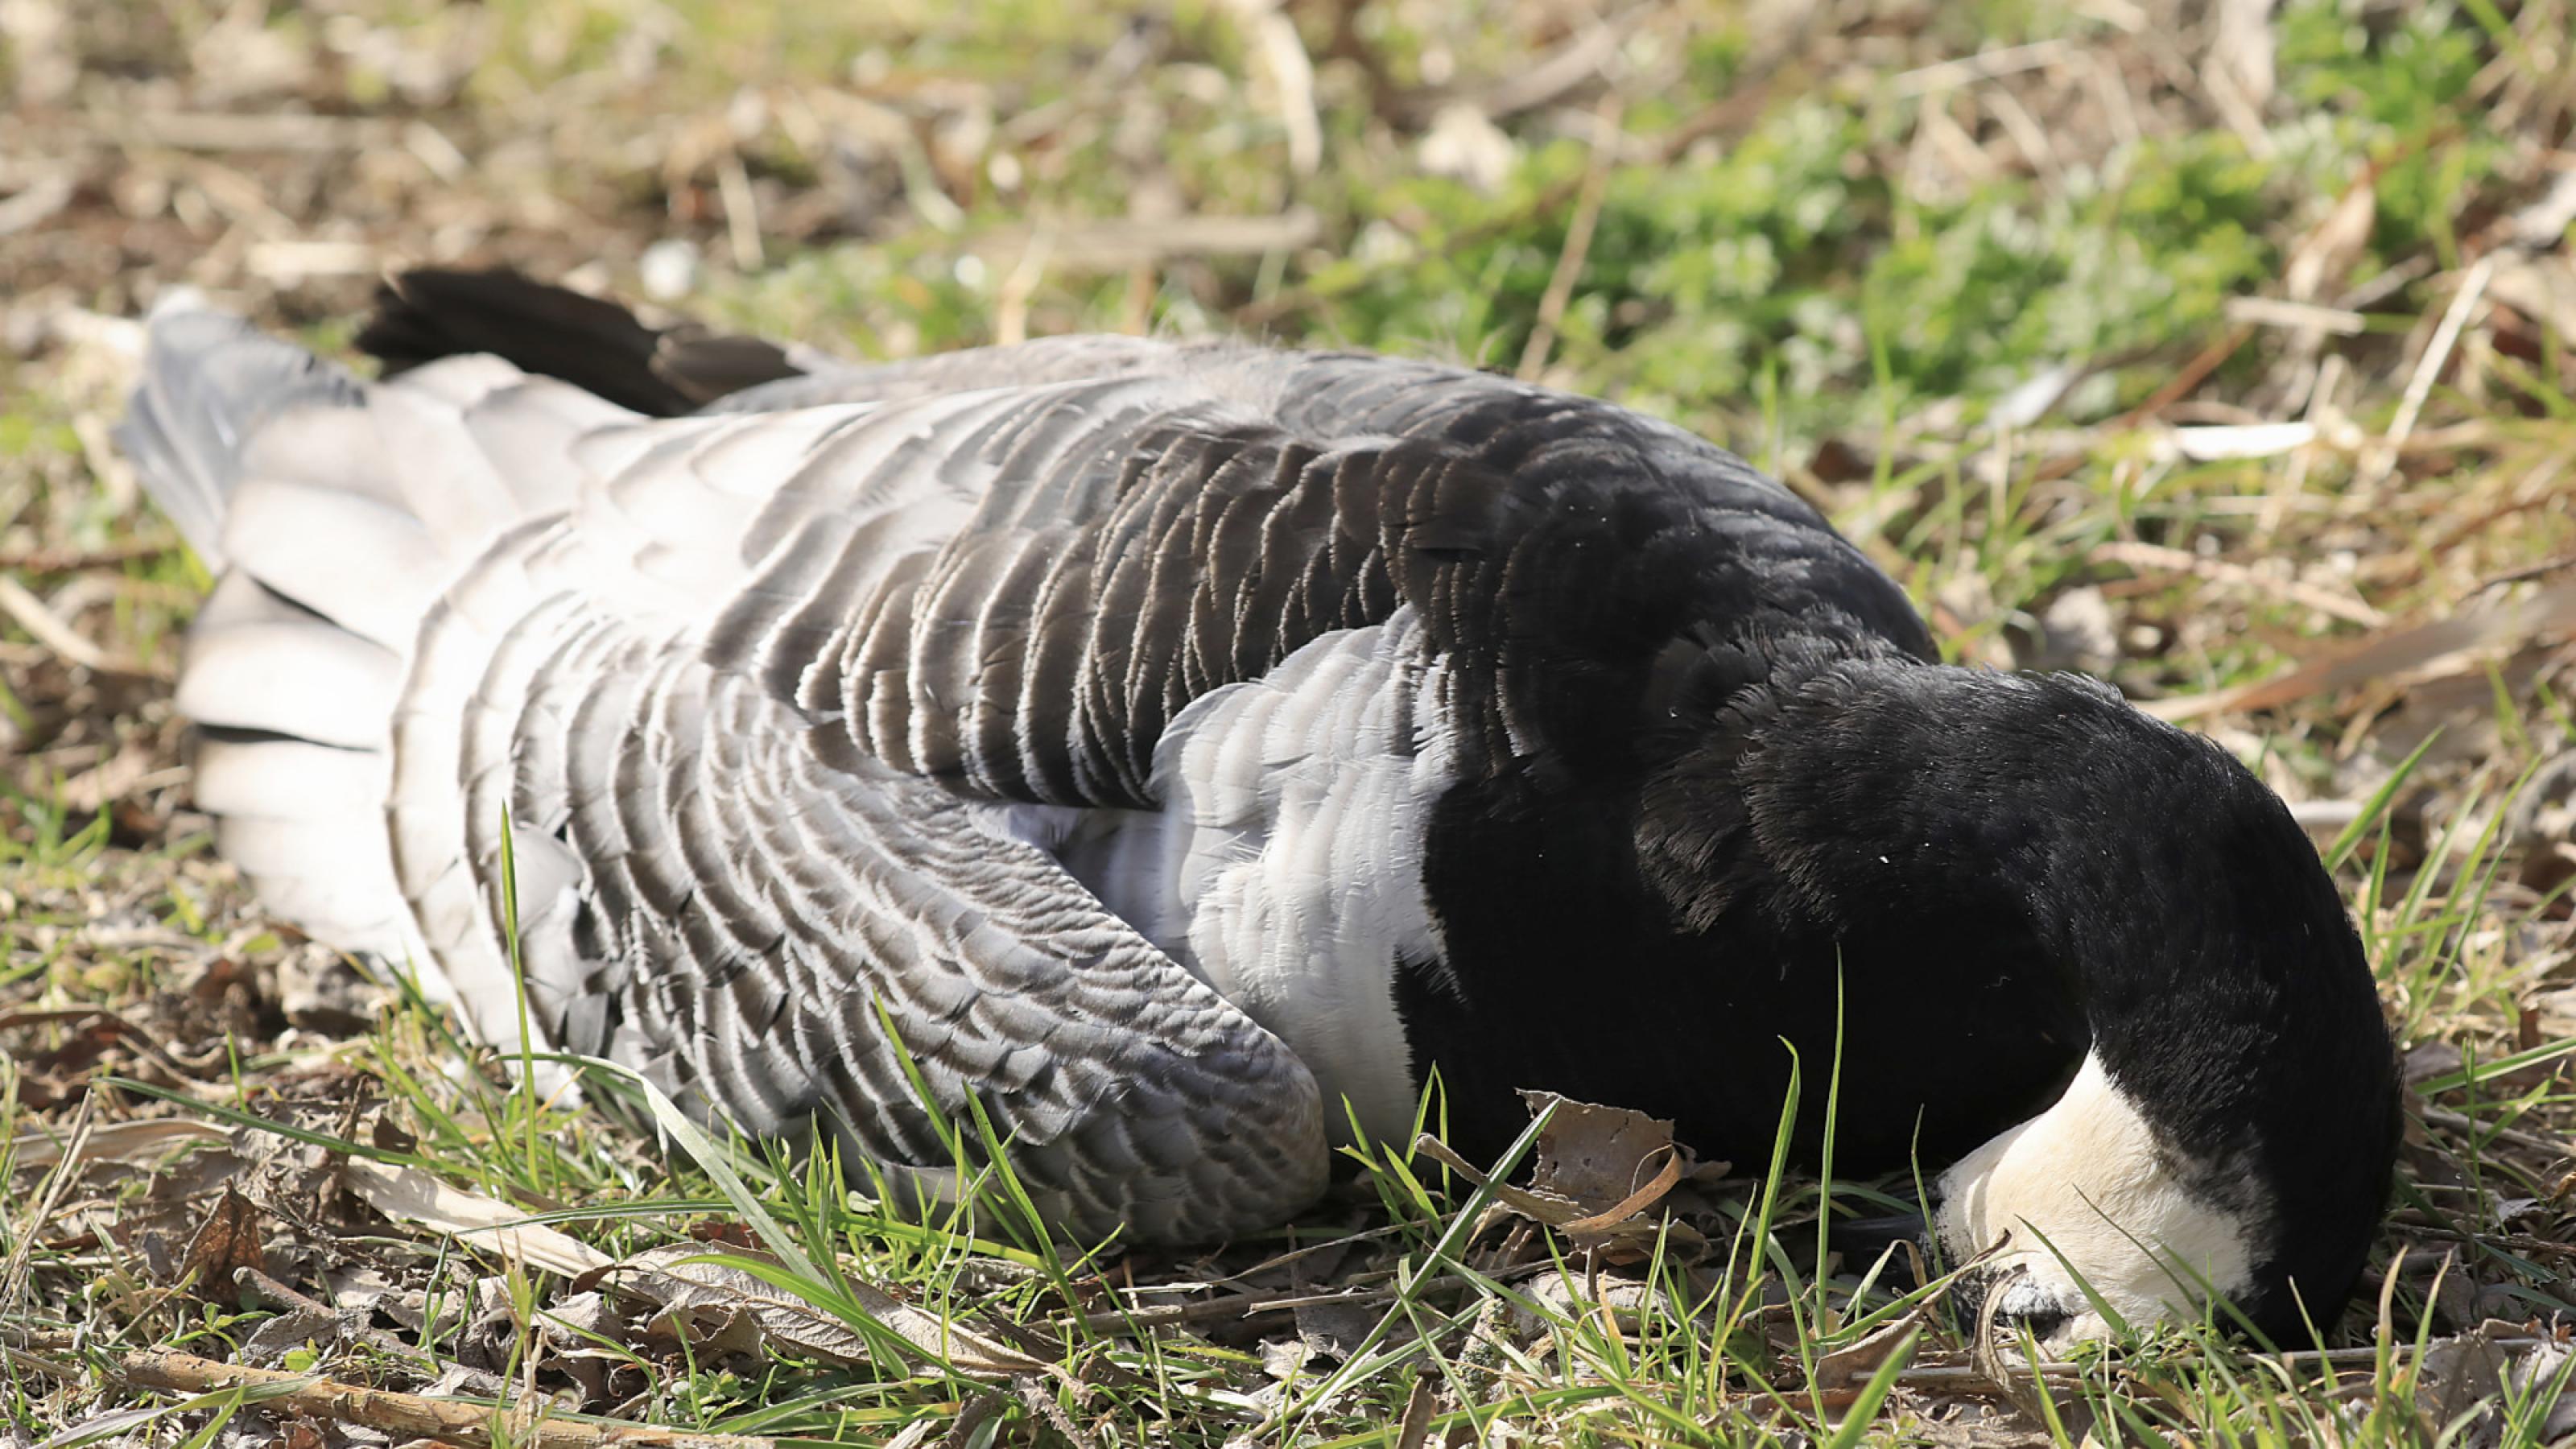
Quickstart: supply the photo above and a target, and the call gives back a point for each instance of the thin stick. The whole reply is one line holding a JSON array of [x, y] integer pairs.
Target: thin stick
[[68, 560], [2148, 557], [1283, 1259], [2193, 374], [1578, 244], [1242, 1305], [13, 1271], [2462, 1122], [741, 209], [1011, 305], [2550, 610], [2379, 464], [2510, 1242], [477, 1426], [19, 603]]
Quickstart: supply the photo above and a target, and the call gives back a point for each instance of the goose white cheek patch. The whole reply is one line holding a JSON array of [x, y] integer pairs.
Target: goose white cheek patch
[[2088, 1179]]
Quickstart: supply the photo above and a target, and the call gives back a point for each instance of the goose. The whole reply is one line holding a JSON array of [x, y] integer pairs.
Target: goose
[[1190, 750]]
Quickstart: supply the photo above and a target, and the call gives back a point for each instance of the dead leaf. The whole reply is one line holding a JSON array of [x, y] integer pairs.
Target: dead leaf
[[272, 1341], [2430, 1060], [1635, 1203], [587, 1334], [705, 1299], [457, 1381], [145, 1141], [488, 1327], [1859, 1359], [319, 990], [1336, 1328], [226, 1240], [1599, 1172], [1286, 1358], [720, 1230], [390, 1135], [407, 1194], [662, 1278], [98, 1427], [2454, 1376], [694, 1279], [578, 1320], [1618, 1303], [1594, 1156], [711, 1331], [2543, 1370]]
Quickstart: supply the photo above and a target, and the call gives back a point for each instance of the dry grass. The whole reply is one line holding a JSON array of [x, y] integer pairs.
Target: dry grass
[[2215, 350]]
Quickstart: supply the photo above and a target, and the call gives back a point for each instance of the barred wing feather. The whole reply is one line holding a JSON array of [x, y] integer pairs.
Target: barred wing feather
[[796, 711]]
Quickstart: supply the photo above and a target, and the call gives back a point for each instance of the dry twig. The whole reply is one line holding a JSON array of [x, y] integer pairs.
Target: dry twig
[[1578, 244], [21, 604], [406, 1416], [2377, 465], [2153, 558]]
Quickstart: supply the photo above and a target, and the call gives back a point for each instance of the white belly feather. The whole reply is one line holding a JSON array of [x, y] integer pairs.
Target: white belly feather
[[1285, 867]]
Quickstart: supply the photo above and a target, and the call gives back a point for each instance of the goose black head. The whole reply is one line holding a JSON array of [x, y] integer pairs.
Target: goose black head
[[2230, 1118]]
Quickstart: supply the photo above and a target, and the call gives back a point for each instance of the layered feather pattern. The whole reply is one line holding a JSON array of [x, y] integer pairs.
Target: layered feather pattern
[[1077, 709]]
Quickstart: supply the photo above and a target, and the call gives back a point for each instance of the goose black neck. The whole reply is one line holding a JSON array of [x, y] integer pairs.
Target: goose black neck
[[2223, 988], [2188, 910]]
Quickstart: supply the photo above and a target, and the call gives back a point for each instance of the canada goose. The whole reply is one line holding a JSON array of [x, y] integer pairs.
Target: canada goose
[[1187, 746]]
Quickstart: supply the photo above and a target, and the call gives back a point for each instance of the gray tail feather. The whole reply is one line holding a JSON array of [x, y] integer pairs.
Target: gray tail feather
[[208, 380], [288, 758]]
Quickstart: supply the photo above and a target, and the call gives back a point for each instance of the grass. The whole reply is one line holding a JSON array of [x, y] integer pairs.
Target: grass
[[1979, 279]]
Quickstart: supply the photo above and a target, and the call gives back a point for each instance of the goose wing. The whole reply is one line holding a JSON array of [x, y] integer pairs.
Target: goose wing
[[772, 711], [723, 882]]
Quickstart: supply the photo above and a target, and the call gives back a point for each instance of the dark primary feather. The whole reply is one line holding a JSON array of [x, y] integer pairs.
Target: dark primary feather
[[428, 313]]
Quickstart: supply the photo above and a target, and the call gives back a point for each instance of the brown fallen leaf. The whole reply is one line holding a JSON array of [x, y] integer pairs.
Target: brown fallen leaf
[[1599, 1173], [407, 1194], [143, 1141], [705, 1296], [695, 1279], [1860, 1358], [1593, 1156], [227, 1239], [1636, 1202]]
